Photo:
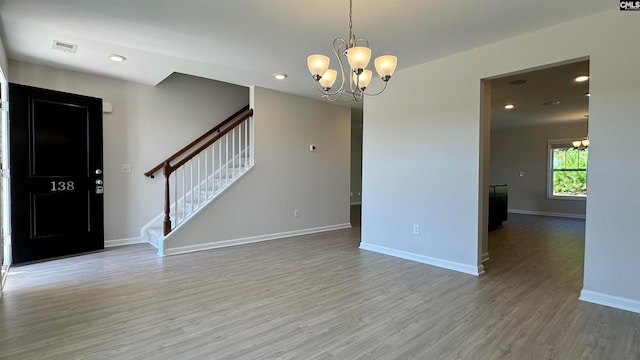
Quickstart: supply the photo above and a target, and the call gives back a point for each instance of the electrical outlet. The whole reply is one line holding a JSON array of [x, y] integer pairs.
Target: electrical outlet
[[416, 229], [125, 168], [296, 213]]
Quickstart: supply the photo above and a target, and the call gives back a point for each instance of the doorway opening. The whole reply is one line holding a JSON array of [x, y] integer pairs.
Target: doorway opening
[[523, 115], [356, 167]]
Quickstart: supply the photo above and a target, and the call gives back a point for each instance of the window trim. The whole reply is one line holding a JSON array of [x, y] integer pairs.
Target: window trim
[[554, 144]]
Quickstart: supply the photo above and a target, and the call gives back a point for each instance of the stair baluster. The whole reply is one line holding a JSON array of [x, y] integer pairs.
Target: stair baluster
[[194, 188]]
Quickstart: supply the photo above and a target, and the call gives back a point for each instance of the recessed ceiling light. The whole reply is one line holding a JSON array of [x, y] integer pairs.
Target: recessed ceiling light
[[509, 106], [547, 103], [117, 58], [280, 76], [582, 78]]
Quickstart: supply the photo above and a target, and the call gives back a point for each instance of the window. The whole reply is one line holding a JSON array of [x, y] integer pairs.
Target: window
[[567, 170]]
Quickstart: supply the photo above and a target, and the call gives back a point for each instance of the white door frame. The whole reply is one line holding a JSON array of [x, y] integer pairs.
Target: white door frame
[[5, 198]]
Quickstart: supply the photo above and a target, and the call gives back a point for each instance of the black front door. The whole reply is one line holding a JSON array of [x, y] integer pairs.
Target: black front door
[[56, 173]]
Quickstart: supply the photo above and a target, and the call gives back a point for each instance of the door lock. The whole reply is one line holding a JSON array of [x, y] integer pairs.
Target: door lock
[[99, 187]]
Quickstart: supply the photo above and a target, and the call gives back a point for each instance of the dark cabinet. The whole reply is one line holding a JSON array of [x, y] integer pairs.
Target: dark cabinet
[[498, 196]]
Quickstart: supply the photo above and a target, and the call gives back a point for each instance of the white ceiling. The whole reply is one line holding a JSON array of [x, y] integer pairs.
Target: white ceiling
[[245, 42], [545, 96]]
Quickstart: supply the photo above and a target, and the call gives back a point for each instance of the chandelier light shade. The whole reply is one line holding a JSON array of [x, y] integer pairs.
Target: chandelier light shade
[[318, 64], [581, 144], [358, 56], [386, 66], [363, 79], [328, 79]]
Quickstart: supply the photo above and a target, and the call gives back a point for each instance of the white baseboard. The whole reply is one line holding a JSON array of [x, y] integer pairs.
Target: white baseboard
[[485, 257], [464, 268], [610, 300], [167, 251], [546, 213], [121, 242]]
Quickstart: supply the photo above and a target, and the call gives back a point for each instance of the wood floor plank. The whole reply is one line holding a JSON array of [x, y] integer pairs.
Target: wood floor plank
[[316, 297]]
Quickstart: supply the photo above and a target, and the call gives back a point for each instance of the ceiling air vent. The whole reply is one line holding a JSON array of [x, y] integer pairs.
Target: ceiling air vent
[[66, 47], [518, 82]]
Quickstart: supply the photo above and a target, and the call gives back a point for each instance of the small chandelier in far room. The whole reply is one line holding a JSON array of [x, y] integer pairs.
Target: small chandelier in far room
[[358, 54], [581, 144]]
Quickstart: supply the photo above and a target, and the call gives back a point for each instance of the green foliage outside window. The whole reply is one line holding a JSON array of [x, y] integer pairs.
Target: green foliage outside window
[[570, 171]]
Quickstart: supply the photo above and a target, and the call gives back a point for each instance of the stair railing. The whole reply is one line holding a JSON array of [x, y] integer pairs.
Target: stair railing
[[205, 167]]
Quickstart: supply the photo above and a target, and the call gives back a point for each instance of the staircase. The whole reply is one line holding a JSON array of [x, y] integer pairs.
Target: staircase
[[200, 172]]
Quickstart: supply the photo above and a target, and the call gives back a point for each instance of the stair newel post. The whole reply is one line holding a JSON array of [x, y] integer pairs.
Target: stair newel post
[[166, 223]]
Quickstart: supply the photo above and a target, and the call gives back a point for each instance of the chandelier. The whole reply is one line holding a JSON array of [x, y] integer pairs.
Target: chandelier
[[581, 144], [358, 54]]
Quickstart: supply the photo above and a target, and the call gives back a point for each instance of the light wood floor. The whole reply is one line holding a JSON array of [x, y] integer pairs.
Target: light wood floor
[[316, 297]]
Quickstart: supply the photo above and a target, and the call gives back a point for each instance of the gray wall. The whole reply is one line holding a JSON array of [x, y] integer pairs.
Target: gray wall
[[525, 149], [150, 123], [286, 176], [4, 62], [425, 167], [146, 126]]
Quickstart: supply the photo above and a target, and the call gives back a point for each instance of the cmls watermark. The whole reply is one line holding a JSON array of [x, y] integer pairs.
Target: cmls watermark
[[629, 5]]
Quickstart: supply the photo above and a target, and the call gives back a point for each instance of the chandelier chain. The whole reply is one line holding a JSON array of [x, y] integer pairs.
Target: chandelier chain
[[350, 14], [350, 23]]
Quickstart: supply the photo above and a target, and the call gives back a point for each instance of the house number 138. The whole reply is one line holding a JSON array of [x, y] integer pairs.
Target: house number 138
[[63, 186]]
